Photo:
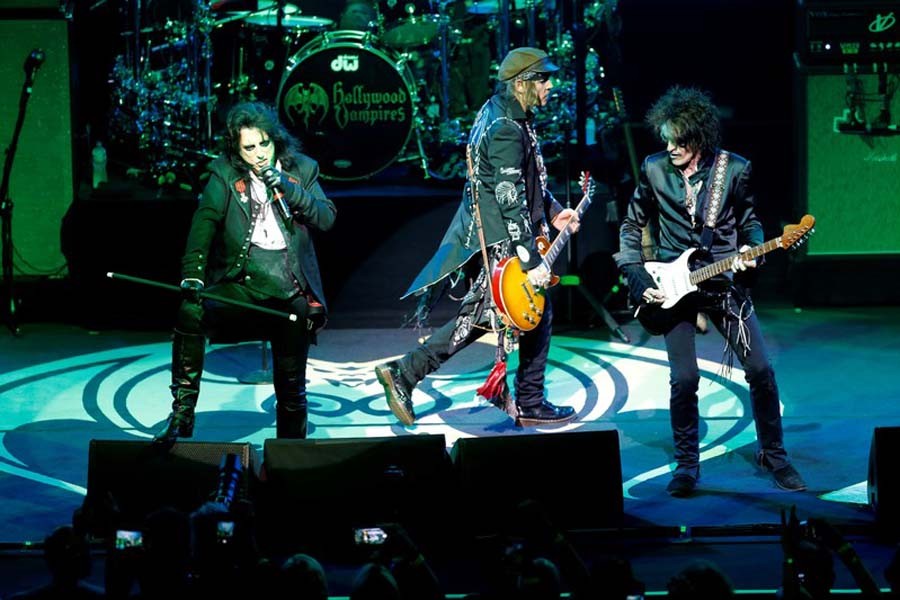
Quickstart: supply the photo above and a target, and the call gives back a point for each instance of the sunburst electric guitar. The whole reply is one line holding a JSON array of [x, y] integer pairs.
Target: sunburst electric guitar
[[677, 280], [521, 305]]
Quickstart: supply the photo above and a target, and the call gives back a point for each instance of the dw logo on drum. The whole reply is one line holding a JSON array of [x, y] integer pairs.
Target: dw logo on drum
[[345, 62]]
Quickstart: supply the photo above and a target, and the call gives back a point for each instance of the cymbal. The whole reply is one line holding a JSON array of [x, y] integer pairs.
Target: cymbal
[[269, 18], [265, 7], [492, 7], [273, 4], [482, 7], [162, 28], [231, 16]]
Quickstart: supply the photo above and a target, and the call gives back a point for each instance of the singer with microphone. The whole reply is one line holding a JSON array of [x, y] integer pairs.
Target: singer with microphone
[[249, 240]]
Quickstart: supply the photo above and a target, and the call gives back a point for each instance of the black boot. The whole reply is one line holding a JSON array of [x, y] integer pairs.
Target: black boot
[[290, 394], [397, 391], [544, 414], [291, 423], [187, 366]]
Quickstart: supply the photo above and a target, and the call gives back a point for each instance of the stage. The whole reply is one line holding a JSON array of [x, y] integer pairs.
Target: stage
[[143, 111], [64, 385]]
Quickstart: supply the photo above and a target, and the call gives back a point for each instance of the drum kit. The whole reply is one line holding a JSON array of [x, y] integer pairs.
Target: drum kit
[[344, 85]]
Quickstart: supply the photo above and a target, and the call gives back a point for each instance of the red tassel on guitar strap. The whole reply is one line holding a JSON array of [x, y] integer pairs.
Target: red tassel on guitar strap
[[494, 387], [495, 384]]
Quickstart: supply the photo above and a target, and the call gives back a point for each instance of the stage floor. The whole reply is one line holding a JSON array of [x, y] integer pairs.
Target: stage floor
[[62, 386]]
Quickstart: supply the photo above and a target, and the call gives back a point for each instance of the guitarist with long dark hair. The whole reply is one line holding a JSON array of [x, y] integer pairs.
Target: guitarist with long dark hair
[[698, 196]]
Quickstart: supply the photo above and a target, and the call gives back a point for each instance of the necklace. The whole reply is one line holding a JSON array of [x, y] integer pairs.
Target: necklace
[[690, 197]]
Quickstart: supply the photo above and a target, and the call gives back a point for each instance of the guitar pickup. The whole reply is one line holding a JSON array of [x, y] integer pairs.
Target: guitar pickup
[[527, 290]]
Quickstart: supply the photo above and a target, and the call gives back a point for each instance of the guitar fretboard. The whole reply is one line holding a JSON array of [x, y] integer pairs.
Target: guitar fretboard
[[720, 266], [562, 238]]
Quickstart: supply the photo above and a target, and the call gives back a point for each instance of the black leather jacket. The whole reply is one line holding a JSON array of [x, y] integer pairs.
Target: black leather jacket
[[219, 238], [512, 194], [659, 199]]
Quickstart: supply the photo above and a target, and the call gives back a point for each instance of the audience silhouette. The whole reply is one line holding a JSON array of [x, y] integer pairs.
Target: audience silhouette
[[213, 552]]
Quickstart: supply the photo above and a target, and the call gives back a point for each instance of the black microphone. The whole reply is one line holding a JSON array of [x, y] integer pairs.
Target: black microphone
[[32, 64], [278, 195]]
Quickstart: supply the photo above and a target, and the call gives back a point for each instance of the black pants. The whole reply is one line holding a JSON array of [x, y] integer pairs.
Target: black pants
[[289, 339], [457, 334], [684, 380]]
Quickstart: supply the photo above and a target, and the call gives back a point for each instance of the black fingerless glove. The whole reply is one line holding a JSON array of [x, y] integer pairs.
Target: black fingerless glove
[[638, 281], [271, 177]]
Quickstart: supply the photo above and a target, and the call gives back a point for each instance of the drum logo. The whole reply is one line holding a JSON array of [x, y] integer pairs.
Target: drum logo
[[345, 62], [306, 102], [366, 106]]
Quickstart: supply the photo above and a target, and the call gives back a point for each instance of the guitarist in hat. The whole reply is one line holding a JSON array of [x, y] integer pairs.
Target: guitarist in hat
[[505, 206], [696, 195]]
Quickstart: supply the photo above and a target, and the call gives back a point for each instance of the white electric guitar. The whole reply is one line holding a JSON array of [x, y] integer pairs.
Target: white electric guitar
[[677, 280]]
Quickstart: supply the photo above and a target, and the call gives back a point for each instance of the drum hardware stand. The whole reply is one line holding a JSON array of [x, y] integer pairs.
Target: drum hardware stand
[[263, 375], [418, 123], [503, 29], [444, 50], [32, 63], [421, 158], [206, 54], [572, 279], [531, 19]]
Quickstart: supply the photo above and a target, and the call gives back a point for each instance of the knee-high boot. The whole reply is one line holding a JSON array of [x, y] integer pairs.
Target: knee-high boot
[[290, 395], [188, 351]]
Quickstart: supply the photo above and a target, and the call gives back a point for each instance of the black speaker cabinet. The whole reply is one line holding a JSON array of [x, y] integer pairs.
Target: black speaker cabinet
[[575, 476], [317, 492], [129, 479], [883, 483], [41, 181]]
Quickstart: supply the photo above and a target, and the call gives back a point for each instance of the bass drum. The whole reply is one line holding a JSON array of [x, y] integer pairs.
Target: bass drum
[[350, 104]]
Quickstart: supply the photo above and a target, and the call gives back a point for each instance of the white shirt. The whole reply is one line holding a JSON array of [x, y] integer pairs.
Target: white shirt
[[266, 232]]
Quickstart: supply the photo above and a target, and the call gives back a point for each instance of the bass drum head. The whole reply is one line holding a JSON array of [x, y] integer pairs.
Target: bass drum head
[[349, 103]]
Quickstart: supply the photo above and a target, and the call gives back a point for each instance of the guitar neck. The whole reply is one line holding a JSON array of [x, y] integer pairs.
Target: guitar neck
[[720, 266], [563, 237]]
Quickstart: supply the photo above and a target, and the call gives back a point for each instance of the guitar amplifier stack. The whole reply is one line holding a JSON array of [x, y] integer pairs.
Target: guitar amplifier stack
[[848, 32]]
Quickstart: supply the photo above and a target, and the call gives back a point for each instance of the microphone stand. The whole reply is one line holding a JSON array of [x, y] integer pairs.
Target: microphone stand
[[6, 208]]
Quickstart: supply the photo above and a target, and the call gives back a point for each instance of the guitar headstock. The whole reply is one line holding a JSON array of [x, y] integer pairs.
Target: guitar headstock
[[588, 186], [799, 233], [619, 103]]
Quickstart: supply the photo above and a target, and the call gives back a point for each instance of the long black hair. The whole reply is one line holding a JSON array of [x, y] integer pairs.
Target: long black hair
[[692, 117], [263, 117]]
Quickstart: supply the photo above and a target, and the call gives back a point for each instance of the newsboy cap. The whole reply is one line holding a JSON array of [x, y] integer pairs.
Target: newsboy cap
[[525, 60]]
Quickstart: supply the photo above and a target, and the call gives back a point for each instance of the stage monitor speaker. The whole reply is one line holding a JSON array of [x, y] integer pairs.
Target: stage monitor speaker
[[41, 183], [575, 476], [317, 491], [129, 479], [848, 174], [884, 483]]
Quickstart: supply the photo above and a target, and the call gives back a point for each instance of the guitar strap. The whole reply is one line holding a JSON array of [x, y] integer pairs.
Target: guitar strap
[[494, 389], [473, 190], [714, 204]]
